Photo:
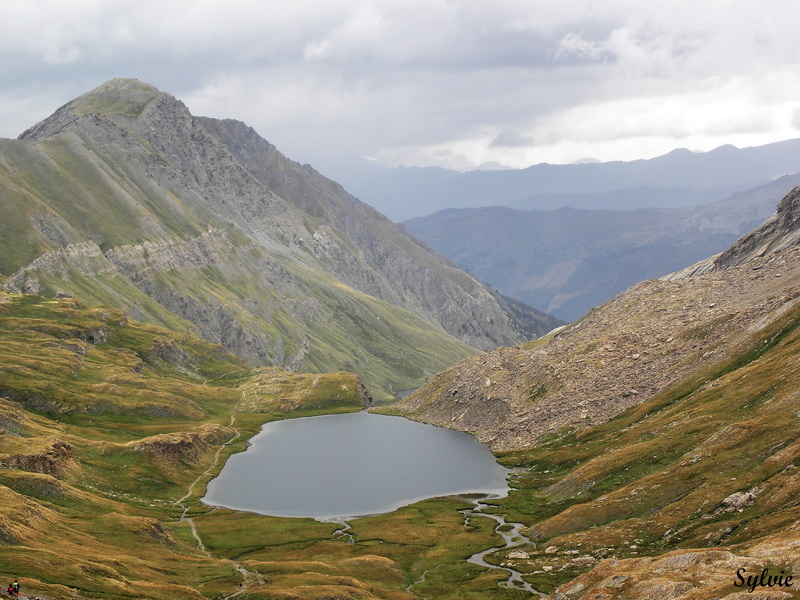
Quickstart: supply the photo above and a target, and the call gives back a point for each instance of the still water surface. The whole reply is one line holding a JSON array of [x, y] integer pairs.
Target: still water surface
[[336, 466]]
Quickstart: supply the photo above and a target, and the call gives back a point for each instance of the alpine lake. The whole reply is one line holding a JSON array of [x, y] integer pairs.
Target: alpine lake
[[334, 467]]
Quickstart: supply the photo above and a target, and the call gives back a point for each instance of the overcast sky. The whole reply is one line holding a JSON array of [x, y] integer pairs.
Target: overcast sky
[[454, 83]]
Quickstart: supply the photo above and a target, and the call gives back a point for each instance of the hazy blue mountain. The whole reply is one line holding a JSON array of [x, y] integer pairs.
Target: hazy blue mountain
[[630, 199], [568, 261], [679, 178]]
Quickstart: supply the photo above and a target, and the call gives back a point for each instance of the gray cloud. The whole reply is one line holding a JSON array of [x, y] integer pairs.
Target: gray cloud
[[511, 139], [427, 82]]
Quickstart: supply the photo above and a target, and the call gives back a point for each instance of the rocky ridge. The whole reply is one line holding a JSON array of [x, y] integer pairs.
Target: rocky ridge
[[412, 270]]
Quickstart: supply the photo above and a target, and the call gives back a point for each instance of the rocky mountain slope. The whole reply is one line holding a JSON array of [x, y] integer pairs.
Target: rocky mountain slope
[[779, 232], [619, 355], [660, 425], [568, 261], [123, 198], [626, 351]]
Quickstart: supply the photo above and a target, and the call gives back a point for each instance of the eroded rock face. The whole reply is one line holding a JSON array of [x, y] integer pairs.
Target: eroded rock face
[[780, 232], [153, 529], [184, 446], [55, 460], [777, 233]]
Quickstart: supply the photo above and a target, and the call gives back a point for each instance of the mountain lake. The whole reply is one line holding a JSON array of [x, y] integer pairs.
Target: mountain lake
[[336, 466]]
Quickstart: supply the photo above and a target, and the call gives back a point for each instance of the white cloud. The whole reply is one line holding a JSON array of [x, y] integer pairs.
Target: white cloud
[[317, 50], [457, 83], [511, 139], [574, 44]]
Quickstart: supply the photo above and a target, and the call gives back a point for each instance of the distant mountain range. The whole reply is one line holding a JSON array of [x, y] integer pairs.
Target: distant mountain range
[[679, 178], [123, 198], [568, 261]]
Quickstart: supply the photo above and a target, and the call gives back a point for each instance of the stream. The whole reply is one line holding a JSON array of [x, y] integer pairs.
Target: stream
[[344, 532], [512, 538]]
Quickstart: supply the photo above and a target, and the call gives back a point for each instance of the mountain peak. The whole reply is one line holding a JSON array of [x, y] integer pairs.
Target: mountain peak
[[121, 99], [117, 96]]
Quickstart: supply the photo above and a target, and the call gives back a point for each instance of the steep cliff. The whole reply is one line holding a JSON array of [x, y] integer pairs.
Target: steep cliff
[[780, 231], [123, 198]]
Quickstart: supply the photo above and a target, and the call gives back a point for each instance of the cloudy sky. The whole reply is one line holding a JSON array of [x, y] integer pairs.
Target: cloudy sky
[[455, 83]]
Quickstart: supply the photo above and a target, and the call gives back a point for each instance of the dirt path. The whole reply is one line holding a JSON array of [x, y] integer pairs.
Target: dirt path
[[249, 578]]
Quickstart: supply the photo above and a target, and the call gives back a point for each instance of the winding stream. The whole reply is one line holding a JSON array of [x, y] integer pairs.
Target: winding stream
[[343, 533], [512, 538]]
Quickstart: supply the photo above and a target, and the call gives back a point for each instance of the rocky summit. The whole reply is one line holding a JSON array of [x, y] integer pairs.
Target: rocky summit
[[124, 198]]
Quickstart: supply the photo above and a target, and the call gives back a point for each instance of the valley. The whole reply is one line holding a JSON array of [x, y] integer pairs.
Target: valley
[[172, 283], [707, 461], [103, 500]]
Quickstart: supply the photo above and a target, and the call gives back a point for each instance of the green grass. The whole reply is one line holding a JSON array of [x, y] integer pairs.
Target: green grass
[[110, 510], [654, 477], [107, 100]]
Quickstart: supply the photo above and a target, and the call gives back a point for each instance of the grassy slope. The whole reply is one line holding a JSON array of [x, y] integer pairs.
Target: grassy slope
[[87, 197], [101, 439], [654, 478], [388, 347]]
